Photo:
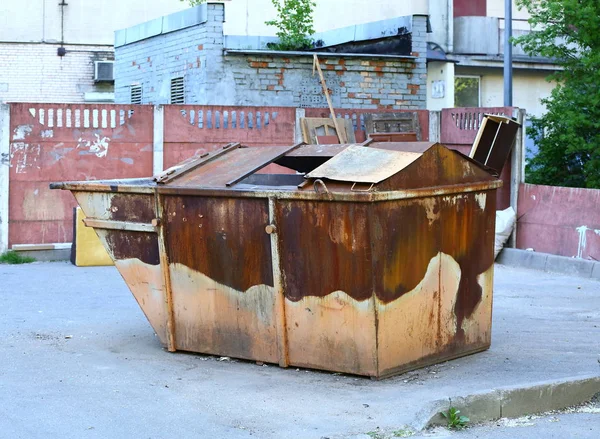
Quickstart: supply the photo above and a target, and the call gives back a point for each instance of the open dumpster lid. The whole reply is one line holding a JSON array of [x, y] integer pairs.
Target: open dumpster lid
[[358, 164], [224, 167]]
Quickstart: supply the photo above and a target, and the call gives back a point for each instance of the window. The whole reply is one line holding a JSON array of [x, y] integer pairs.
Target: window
[[177, 91], [136, 94], [467, 91]]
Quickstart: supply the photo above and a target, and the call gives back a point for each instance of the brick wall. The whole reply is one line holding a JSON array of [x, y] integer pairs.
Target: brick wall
[[214, 78], [32, 72]]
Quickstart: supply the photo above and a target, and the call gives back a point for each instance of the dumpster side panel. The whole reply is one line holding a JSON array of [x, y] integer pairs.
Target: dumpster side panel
[[135, 254], [468, 222], [435, 277], [136, 257], [407, 260], [137, 208], [221, 276], [326, 268]]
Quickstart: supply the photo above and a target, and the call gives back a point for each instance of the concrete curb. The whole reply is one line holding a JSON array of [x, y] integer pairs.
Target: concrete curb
[[513, 257], [512, 402]]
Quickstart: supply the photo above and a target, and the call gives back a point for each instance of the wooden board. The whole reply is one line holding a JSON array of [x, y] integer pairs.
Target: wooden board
[[313, 128], [406, 122], [494, 141]]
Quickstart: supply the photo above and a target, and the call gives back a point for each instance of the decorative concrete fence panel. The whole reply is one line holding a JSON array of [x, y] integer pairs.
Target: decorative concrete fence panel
[[55, 142]]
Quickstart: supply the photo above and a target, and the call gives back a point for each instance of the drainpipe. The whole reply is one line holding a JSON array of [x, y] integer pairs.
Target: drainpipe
[[61, 50], [508, 73]]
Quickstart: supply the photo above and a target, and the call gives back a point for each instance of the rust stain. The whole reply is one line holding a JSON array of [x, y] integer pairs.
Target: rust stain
[[324, 248], [421, 323], [223, 238], [134, 208], [130, 245]]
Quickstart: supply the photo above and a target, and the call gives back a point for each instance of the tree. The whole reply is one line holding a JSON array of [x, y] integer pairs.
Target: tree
[[194, 2], [294, 23], [568, 134]]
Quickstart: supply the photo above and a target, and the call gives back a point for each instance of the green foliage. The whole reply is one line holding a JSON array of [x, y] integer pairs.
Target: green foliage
[[294, 23], [12, 257], [568, 135], [455, 420], [194, 2]]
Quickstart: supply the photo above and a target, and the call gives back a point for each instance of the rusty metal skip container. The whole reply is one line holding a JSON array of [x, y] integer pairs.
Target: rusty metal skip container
[[371, 260]]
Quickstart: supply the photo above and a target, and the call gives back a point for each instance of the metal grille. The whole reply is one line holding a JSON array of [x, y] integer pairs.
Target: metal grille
[[177, 91], [136, 94]]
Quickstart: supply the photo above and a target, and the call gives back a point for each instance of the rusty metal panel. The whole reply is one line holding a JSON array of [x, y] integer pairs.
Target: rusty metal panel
[[434, 266], [468, 229], [221, 274], [325, 252], [364, 165], [230, 167], [438, 167]]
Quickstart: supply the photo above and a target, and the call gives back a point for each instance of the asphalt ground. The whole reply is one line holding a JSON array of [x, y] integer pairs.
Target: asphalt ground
[[79, 360]]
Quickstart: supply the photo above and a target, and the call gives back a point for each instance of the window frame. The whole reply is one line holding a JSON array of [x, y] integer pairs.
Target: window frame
[[479, 78]]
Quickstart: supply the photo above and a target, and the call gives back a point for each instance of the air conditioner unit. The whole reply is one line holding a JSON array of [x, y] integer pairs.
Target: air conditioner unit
[[103, 71]]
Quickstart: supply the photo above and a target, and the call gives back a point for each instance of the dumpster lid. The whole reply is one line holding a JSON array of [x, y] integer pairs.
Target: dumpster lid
[[358, 164], [224, 167]]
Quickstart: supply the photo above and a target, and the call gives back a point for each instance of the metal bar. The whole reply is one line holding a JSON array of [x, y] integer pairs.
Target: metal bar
[[262, 165], [508, 72], [176, 173], [282, 341], [166, 273], [119, 225], [316, 64], [352, 197]]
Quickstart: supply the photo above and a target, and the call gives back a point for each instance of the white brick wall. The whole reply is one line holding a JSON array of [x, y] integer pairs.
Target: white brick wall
[[35, 73]]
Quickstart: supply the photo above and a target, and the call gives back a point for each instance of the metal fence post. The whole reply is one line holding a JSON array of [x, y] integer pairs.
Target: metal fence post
[[4, 174], [158, 146]]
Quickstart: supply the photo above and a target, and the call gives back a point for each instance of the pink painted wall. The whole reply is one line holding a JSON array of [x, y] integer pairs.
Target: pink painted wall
[[59, 142], [464, 8], [559, 220], [192, 129]]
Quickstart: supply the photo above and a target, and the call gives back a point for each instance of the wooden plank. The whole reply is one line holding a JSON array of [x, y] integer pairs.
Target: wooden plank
[[311, 126], [317, 65], [119, 225]]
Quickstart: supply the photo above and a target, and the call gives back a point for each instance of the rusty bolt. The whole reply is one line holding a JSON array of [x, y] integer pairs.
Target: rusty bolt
[[156, 222], [270, 229]]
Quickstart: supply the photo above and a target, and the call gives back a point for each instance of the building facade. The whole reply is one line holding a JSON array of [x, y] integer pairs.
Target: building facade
[[470, 34], [49, 49], [188, 58]]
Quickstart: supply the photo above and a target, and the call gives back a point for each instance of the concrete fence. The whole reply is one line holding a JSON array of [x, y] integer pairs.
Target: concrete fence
[[42, 143]]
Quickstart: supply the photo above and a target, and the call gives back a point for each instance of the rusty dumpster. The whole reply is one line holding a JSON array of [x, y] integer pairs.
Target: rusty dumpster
[[370, 260]]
